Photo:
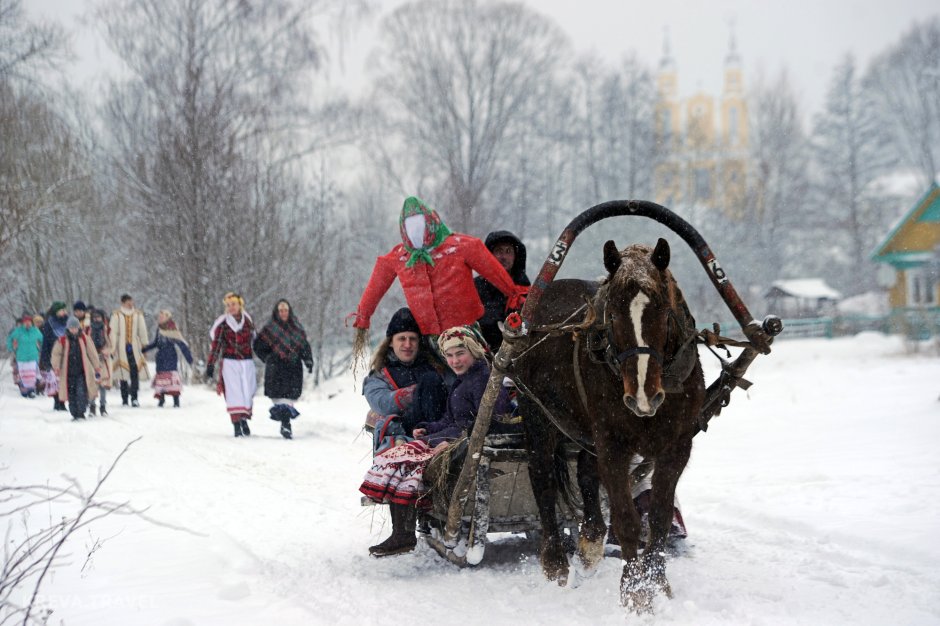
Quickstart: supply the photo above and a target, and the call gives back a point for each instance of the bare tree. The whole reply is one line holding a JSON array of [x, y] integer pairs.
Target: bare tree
[[904, 82], [456, 78], [28, 47], [209, 133], [851, 150]]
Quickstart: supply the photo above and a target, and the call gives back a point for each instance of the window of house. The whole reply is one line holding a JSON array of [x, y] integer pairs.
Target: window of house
[[921, 287]]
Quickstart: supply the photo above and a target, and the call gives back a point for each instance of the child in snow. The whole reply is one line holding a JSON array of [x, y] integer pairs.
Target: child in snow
[[283, 347], [397, 475], [25, 342], [75, 362], [167, 341], [435, 267], [232, 334]]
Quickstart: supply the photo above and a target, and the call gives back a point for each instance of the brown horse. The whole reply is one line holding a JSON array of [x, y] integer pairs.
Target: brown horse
[[628, 381]]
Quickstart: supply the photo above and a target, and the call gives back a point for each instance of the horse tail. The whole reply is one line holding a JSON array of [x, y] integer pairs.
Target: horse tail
[[563, 478]]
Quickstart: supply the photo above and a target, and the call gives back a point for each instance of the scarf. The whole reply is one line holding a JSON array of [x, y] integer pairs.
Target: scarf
[[435, 231], [286, 339], [57, 325], [170, 331], [230, 320]]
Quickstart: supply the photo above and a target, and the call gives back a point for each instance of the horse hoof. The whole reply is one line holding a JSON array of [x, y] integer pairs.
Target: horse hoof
[[555, 566], [638, 601], [590, 553]]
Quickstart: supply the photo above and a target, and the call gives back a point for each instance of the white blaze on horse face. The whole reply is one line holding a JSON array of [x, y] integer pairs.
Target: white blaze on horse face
[[637, 306]]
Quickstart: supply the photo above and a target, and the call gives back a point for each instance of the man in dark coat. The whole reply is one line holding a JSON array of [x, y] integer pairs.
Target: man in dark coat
[[511, 254]]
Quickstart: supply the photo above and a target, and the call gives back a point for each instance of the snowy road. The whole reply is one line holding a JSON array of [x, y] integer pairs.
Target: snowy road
[[815, 499]]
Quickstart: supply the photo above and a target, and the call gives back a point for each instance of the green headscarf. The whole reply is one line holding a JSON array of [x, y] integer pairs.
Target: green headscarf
[[435, 230]]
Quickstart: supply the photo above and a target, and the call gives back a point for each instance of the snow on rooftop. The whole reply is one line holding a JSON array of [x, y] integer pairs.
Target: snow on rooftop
[[812, 288]]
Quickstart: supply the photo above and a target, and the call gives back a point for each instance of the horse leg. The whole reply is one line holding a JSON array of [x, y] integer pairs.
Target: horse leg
[[544, 487], [614, 466], [593, 529], [668, 469]]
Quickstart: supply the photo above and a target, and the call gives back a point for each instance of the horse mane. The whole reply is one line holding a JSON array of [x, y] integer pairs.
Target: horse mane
[[636, 267]]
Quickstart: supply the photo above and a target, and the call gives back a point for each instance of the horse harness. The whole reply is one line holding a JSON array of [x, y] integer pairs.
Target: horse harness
[[596, 332]]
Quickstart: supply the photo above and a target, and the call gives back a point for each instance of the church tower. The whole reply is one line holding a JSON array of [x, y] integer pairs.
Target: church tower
[[668, 179], [734, 136]]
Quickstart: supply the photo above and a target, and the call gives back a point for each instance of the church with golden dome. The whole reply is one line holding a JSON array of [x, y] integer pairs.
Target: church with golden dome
[[702, 140]]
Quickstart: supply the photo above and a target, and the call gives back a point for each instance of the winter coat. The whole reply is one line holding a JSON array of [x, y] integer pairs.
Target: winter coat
[[167, 361], [51, 331], [440, 295], [25, 343], [463, 402], [90, 365], [388, 391], [99, 335], [122, 324], [283, 378], [494, 302]]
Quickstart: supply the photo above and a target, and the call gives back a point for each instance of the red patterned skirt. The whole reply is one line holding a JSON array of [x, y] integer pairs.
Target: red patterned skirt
[[397, 475], [168, 383]]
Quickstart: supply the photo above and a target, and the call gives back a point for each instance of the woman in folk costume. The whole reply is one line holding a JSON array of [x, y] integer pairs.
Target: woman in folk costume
[[128, 337], [167, 341], [25, 342], [99, 333], [232, 335], [75, 361], [283, 347], [397, 475], [435, 267], [52, 330]]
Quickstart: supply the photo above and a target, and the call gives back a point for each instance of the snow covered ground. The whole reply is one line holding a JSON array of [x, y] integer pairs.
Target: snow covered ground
[[813, 499]]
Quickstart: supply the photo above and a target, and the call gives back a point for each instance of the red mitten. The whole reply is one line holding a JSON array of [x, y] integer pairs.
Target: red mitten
[[405, 396]]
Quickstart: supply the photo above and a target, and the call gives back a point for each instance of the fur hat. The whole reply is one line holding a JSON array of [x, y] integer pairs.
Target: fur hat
[[402, 322], [461, 337], [73, 323]]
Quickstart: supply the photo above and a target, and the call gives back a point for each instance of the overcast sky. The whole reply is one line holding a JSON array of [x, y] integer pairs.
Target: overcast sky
[[808, 37]]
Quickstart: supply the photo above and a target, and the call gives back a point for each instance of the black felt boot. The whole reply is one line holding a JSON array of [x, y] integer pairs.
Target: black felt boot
[[162, 400], [403, 532], [286, 431], [245, 430]]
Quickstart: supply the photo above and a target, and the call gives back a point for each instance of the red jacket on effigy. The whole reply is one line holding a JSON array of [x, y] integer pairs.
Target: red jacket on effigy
[[441, 295]]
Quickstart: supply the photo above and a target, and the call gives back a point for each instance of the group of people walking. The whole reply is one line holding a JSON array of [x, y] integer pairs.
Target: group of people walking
[[76, 358], [281, 345]]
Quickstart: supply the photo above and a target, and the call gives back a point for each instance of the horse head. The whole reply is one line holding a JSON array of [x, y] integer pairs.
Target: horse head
[[640, 296]]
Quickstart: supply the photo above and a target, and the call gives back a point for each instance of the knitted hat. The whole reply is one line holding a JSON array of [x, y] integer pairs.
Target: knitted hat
[[73, 322], [26, 317], [79, 306], [461, 337], [402, 322]]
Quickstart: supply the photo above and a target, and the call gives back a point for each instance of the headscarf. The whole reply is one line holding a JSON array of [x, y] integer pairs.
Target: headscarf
[[287, 339], [435, 231], [461, 337]]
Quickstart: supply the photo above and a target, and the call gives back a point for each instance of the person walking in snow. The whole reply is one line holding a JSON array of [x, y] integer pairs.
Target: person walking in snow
[[16, 374], [167, 341], [511, 254], [283, 348], [99, 333], [397, 475], [232, 335], [403, 386], [128, 337], [52, 330], [25, 342], [435, 268], [75, 361], [80, 311]]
